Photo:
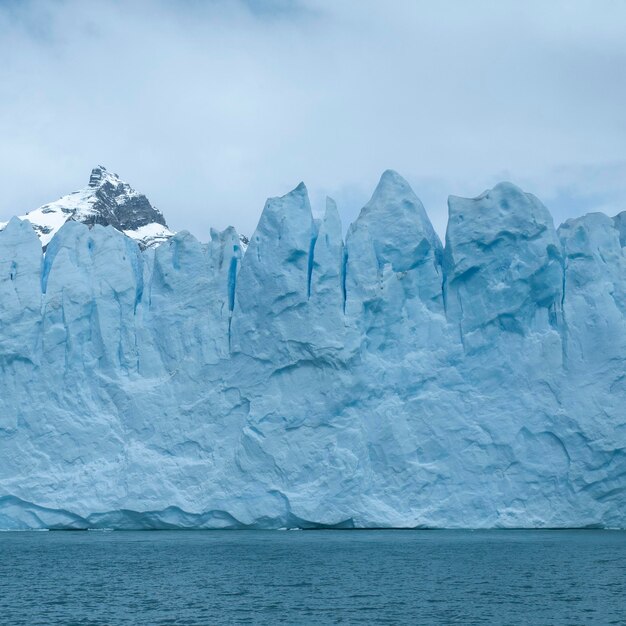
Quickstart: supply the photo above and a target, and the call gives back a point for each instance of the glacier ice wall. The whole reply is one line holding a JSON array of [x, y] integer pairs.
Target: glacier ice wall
[[387, 380]]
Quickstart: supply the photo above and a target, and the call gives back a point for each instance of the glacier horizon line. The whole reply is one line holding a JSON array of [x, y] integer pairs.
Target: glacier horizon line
[[388, 177]]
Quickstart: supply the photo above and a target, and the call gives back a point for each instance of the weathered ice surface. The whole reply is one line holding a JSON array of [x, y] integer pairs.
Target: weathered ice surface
[[384, 380]]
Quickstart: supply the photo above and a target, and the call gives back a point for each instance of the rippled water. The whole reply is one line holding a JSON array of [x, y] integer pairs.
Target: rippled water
[[313, 577]]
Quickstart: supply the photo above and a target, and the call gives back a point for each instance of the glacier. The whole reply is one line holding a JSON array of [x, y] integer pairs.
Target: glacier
[[383, 379]]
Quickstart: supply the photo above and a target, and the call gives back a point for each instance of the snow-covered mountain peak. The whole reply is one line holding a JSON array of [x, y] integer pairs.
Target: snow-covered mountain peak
[[106, 200], [100, 176], [109, 201]]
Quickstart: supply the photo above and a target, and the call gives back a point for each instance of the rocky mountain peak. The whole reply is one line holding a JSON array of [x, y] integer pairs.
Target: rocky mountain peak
[[106, 200]]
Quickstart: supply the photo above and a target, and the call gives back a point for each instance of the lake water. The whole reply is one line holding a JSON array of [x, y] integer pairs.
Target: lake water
[[313, 577]]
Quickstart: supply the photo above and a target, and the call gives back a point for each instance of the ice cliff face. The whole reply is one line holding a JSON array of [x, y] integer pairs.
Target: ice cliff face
[[382, 381]]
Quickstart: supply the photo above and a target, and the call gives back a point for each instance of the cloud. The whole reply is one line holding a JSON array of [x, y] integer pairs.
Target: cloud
[[210, 107]]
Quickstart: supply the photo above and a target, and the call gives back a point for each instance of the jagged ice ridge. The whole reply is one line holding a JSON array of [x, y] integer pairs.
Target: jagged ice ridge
[[382, 381]]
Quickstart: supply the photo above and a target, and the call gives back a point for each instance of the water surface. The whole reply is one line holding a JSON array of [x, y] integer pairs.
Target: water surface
[[313, 577]]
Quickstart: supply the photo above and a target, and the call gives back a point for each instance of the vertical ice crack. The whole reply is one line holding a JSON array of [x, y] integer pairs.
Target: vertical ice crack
[[344, 269], [232, 283], [309, 274], [565, 331]]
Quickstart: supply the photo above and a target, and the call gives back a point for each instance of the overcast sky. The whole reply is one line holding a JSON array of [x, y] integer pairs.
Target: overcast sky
[[210, 107]]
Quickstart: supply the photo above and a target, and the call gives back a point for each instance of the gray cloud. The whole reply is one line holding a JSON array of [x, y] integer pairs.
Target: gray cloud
[[210, 107]]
